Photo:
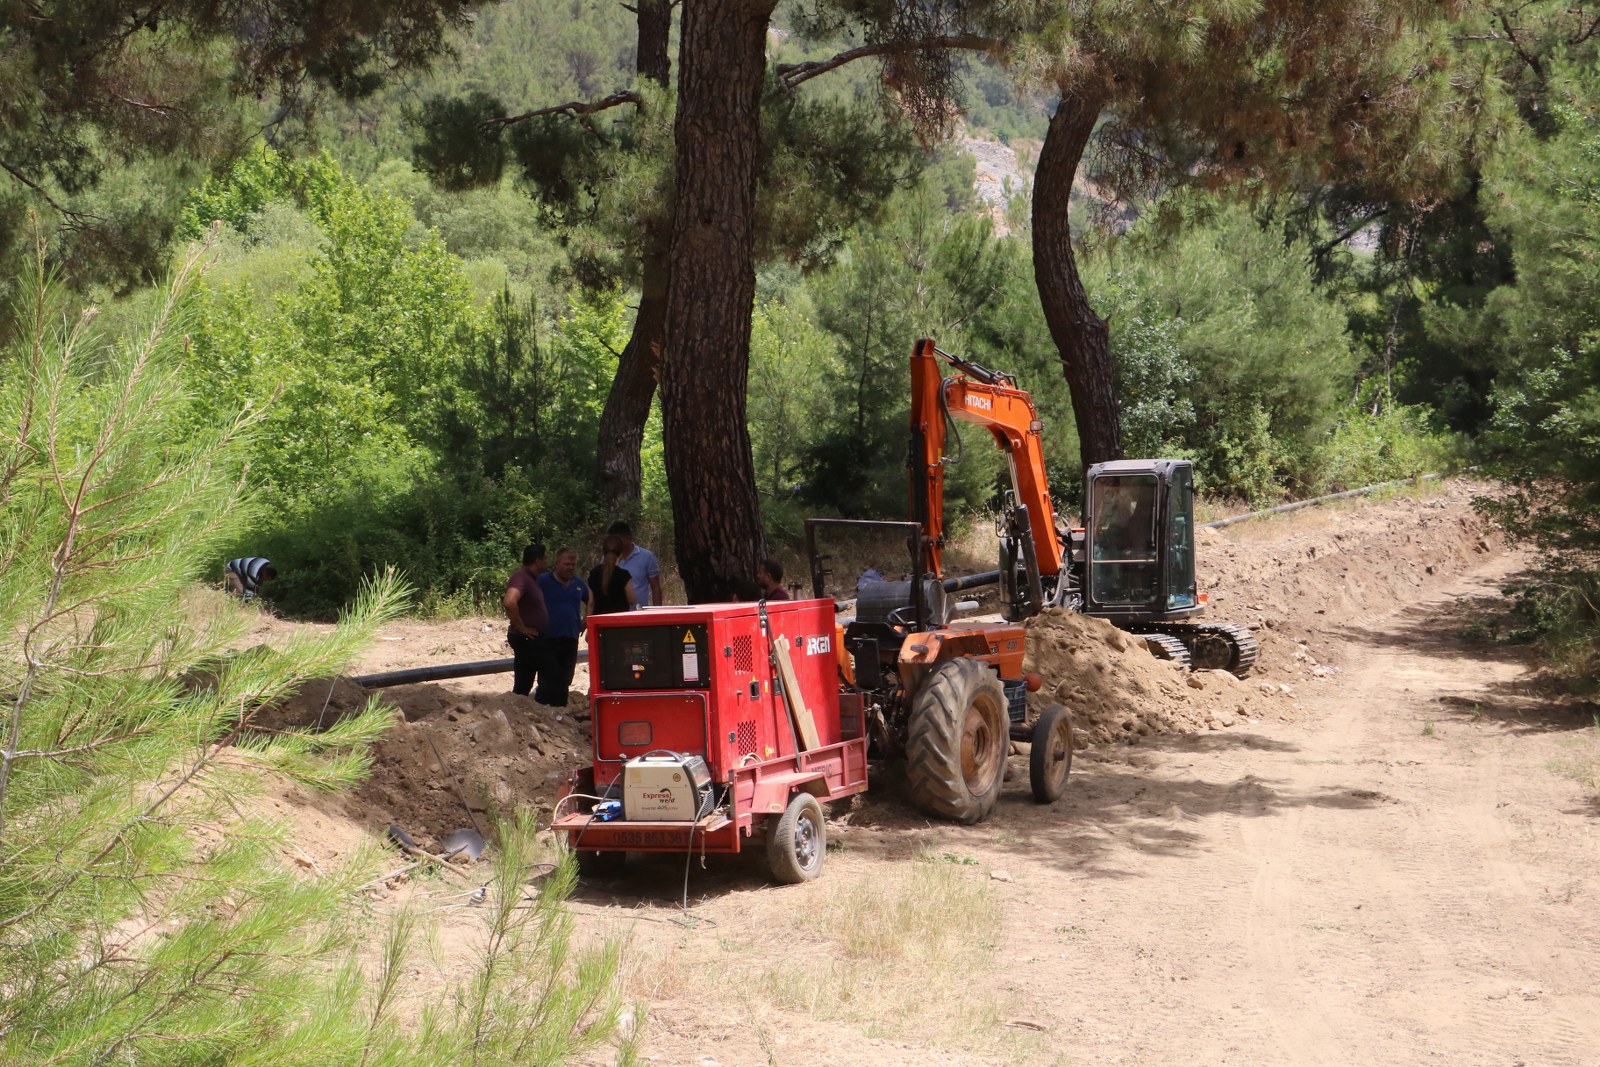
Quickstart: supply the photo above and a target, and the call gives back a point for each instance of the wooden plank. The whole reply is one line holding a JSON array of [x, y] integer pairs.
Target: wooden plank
[[804, 723]]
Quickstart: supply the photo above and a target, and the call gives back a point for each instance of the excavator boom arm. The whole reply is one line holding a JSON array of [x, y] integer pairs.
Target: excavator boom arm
[[992, 400]]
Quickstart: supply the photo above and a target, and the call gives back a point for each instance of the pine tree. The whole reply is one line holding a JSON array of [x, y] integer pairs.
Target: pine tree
[[1217, 92], [146, 916]]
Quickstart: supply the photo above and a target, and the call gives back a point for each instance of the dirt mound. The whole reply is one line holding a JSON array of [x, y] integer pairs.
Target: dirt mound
[[454, 755], [1118, 691], [1297, 580], [487, 752]]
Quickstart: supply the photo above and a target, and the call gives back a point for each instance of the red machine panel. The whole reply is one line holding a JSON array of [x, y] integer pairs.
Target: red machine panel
[[699, 680]]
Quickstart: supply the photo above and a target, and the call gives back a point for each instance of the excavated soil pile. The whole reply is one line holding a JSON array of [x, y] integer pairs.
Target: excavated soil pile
[[1298, 579], [449, 750], [1118, 691]]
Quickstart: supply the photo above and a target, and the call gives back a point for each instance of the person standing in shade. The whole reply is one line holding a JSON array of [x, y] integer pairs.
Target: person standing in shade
[[610, 583], [243, 577], [525, 608], [567, 599], [641, 564], [769, 575]]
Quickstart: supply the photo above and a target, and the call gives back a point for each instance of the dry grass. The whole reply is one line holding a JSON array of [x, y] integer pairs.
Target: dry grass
[[903, 957], [1581, 761]]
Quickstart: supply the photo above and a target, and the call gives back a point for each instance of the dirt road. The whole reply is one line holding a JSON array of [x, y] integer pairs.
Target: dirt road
[[1402, 878]]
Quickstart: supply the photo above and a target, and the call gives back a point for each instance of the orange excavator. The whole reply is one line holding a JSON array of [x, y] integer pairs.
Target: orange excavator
[[1132, 563], [949, 693]]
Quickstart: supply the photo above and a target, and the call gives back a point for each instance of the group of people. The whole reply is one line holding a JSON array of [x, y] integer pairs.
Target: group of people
[[546, 602], [546, 605]]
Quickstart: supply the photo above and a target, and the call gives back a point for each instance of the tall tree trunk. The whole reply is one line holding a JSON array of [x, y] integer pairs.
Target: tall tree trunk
[[627, 407], [655, 27], [1081, 336], [706, 362]]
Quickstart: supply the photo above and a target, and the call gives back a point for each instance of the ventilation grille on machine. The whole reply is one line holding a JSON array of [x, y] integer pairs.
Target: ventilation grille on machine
[[743, 655], [747, 737]]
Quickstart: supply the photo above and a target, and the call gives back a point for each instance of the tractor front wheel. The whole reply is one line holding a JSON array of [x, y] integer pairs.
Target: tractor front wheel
[[798, 841], [957, 741], [1051, 755]]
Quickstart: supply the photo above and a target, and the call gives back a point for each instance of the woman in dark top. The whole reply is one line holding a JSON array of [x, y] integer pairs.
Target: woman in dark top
[[611, 583]]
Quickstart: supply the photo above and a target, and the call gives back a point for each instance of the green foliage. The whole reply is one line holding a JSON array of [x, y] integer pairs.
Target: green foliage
[[1233, 355], [918, 276], [148, 916], [1381, 441], [789, 359], [402, 426]]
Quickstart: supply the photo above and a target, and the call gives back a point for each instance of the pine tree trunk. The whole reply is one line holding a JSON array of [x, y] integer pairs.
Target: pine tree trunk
[[655, 28], [627, 407], [705, 365], [1081, 336]]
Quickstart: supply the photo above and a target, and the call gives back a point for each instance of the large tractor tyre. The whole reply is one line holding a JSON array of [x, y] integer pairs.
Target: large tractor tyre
[[957, 742], [1051, 757], [797, 841]]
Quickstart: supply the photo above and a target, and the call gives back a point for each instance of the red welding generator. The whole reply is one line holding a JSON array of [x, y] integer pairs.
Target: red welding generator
[[716, 727]]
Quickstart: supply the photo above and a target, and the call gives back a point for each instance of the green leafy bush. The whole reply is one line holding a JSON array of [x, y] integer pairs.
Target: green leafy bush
[[1366, 447]]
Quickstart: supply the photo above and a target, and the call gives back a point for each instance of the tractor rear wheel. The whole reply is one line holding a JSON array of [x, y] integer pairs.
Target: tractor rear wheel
[[957, 741], [1051, 757], [797, 842]]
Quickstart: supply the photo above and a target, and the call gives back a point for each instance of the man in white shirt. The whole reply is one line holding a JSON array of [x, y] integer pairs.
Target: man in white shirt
[[641, 565]]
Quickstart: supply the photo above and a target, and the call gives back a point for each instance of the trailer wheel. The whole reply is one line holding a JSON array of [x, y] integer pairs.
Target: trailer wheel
[[1051, 756], [797, 841], [957, 741]]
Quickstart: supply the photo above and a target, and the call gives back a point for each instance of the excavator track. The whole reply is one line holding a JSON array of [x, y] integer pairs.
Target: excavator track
[[1224, 646], [1166, 646]]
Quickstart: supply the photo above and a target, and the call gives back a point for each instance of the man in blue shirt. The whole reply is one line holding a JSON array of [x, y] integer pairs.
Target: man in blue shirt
[[641, 563], [568, 600]]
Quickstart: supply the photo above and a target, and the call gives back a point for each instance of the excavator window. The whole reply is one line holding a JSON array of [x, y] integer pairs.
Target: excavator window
[[1181, 592], [1125, 563]]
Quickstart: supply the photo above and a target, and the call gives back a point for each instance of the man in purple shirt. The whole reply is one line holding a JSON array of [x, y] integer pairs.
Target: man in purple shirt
[[524, 604], [769, 576]]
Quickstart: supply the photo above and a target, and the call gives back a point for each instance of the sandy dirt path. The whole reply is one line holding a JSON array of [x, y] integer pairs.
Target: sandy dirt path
[[1400, 879]]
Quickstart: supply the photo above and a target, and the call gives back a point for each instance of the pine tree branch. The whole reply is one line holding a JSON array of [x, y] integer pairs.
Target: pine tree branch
[[793, 74], [1532, 61], [579, 109], [61, 209], [35, 753], [1328, 246]]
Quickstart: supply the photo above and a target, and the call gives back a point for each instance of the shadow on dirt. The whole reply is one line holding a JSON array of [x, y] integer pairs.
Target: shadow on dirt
[[1466, 630], [1114, 803]]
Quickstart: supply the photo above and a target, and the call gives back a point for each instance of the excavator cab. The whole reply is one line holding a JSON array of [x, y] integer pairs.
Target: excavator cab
[[1139, 541]]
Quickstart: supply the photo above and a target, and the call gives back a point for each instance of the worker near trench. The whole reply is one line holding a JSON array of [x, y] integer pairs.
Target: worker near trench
[[529, 618], [568, 599]]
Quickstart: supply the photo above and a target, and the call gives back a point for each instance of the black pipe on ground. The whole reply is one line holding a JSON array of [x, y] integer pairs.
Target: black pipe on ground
[[1314, 501], [413, 675]]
